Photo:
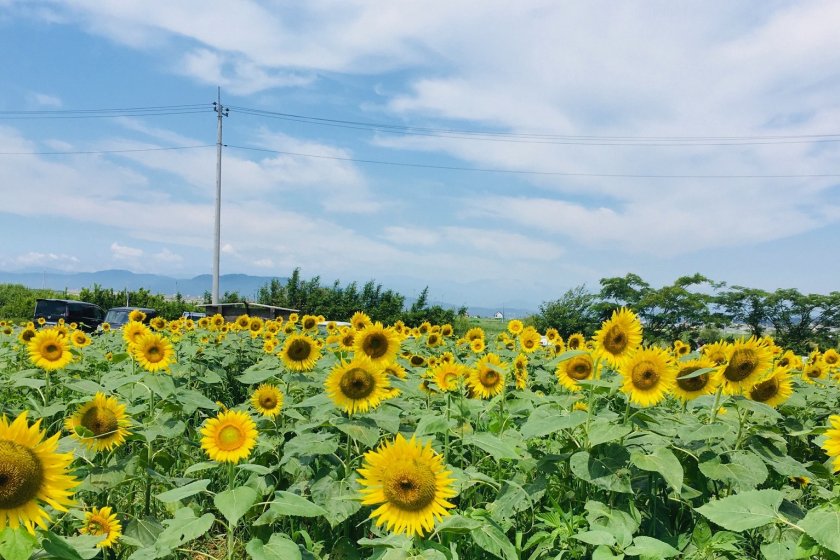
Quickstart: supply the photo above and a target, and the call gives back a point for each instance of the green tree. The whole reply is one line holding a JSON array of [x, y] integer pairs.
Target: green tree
[[574, 311], [749, 306]]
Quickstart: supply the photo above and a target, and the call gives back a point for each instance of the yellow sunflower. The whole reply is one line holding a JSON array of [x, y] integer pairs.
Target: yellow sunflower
[[309, 322], [529, 340], [293, 318], [347, 338], [487, 378], [831, 358], [416, 360], [27, 334], [217, 321], [269, 346], [133, 330], [360, 320], [101, 521], [31, 474], [48, 350], [425, 327], [80, 339], [747, 364], [681, 348], [553, 335], [255, 326], [576, 341], [243, 321], [789, 360], [515, 326], [446, 330], [377, 343], [448, 376], [774, 390], [648, 375], [693, 387], [158, 323], [136, 315], [105, 420], [577, 368], [267, 400], [618, 337], [831, 443], [718, 352], [411, 483], [153, 351], [229, 437], [477, 345], [474, 333], [434, 339], [813, 371], [358, 385], [300, 353]]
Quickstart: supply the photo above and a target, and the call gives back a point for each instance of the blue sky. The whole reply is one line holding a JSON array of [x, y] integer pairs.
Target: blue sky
[[593, 79]]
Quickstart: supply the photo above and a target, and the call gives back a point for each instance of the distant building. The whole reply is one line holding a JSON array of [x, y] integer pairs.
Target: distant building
[[499, 315]]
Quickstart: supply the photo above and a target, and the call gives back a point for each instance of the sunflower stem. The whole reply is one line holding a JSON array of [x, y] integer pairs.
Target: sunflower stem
[[741, 421], [590, 402], [714, 412], [230, 526], [147, 507], [627, 411]]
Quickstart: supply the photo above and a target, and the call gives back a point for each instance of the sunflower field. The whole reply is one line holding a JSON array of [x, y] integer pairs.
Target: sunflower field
[[300, 439]]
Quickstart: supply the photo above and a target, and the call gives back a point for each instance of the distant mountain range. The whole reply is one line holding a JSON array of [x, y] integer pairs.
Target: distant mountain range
[[190, 288]]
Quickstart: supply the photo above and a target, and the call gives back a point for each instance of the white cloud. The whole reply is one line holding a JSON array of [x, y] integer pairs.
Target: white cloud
[[45, 100], [168, 257], [124, 252], [60, 261]]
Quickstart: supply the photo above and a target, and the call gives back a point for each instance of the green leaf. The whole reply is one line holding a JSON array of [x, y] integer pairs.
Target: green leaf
[[286, 503], [824, 527], [664, 462], [653, 548], [493, 445], [547, 420], [59, 547], [193, 400], [457, 524], [252, 377], [337, 497], [85, 386], [141, 532], [595, 538], [431, 424], [234, 504], [278, 547], [491, 538], [605, 467], [183, 528], [360, 431], [744, 470], [603, 431], [746, 510], [16, 544], [190, 489]]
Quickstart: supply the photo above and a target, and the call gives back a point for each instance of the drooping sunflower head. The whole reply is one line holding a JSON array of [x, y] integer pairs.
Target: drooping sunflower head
[[747, 364], [691, 383], [136, 315], [153, 351], [300, 353], [515, 326], [32, 474], [411, 483], [487, 378], [577, 368], [576, 341], [448, 376], [618, 337], [360, 320], [813, 371], [358, 385], [267, 400], [102, 522], [378, 343], [48, 350], [101, 424], [229, 437], [774, 390], [649, 376], [529, 339]]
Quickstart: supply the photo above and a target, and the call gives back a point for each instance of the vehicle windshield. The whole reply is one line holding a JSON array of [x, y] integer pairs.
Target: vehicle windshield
[[50, 310], [117, 317]]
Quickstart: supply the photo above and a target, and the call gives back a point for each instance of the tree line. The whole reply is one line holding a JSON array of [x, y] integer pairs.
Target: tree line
[[697, 309]]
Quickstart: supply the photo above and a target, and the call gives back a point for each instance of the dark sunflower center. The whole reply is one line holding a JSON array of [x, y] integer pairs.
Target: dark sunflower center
[[21, 475], [255, 327], [27, 335], [154, 353], [416, 360], [433, 339], [51, 351], [765, 390], [574, 344], [489, 378], [375, 345], [692, 384], [579, 369], [784, 362], [309, 323], [644, 376], [830, 360], [616, 340], [101, 421], [357, 383], [813, 372], [299, 350], [743, 363], [268, 402], [411, 487]]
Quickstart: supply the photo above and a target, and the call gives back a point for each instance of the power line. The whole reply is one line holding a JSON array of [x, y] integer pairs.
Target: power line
[[128, 150], [156, 110], [531, 172]]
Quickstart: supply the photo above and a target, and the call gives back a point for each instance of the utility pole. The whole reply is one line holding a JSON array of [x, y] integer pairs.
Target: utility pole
[[221, 111]]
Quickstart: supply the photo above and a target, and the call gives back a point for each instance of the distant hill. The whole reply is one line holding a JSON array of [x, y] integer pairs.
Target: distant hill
[[246, 285]]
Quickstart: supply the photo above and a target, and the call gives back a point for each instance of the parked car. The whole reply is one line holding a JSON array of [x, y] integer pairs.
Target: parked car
[[87, 315], [118, 316], [194, 315]]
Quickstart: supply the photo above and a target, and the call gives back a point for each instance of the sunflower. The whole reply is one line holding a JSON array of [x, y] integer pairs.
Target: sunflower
[[360, 320], [255, 326], [790, 360], [718, 352], [243, 321], [577, 368], [681, 348], [269, 346], [446, 330], [136, 315], [133, 330], [395, 370], [229, 437], [831, 358], [693, 387], [425, 327], [813, 371], [474, 333], [217, 321], [105, 420], [552, 335], [530, 339], [31, 474], [515, 326], [831, 443], [649, 375], [448, 376], [434, 339], [347, 338], [358, 385], [774, 390], [747, 364], [26, 335], [80, 339], [487, 378], [267, 400], [106, 327], [153, 351], [576, 341], [477, 345], [309, 322], [618, 337], [411, 483], [377, 343], [300, 353], [100, 521], [416, 360], [48, 350]]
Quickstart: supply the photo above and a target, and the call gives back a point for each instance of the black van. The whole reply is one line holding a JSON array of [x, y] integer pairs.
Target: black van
[[87, 315], [118, 316]]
